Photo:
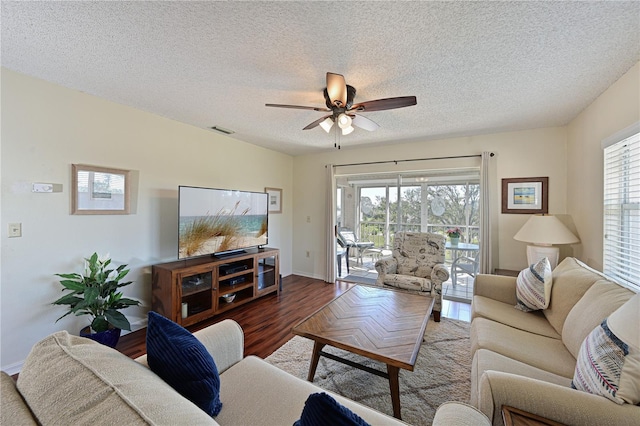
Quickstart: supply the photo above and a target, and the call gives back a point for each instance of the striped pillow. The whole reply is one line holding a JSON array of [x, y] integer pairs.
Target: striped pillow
[[609, 359], [533, 286]]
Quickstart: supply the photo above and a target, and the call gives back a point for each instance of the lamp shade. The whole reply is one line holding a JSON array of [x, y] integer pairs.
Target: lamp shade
[[545, 229], [327, 124], [344, 121], [347, 130]]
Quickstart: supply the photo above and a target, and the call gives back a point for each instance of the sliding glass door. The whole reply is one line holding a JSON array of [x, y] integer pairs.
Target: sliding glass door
[[385, 209], [375, 207]]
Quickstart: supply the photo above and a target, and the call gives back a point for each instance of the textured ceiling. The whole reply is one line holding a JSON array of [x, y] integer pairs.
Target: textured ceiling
[[475, 67]]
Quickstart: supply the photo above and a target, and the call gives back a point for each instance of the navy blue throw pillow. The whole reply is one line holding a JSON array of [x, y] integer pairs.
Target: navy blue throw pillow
[[181, 360], [321, 409]]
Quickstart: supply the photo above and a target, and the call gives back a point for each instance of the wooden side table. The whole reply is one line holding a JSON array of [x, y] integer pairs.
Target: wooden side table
[[516, 417]]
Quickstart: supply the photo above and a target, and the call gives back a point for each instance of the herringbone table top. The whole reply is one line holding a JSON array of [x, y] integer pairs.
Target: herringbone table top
[[384, 325]]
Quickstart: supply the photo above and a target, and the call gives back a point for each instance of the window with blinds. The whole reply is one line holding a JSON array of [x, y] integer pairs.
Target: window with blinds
[[621, 248]]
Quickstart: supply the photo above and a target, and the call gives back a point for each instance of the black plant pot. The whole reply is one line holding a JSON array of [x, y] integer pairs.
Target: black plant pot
[[108, 338]]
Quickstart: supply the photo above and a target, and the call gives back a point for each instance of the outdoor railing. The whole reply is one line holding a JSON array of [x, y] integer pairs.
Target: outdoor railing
[[375, 232]]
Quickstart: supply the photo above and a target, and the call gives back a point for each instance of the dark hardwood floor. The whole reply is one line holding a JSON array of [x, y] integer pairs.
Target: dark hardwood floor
[[266, 322]]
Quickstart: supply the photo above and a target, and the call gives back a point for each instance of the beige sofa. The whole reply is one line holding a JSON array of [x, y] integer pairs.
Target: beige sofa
[[72, 380], [527, 359]]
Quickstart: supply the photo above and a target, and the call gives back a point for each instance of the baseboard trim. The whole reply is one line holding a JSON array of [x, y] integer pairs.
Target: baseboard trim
[[13, 369]]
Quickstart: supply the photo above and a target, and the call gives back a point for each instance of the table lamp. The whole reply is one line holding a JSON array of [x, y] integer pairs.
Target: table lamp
[[542, 231]]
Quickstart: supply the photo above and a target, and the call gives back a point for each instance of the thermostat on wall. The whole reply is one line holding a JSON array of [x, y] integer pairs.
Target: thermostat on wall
[[47, 187]]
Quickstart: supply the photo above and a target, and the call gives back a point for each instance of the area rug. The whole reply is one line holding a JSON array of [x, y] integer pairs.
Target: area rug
[[442, 372], [359, 279]]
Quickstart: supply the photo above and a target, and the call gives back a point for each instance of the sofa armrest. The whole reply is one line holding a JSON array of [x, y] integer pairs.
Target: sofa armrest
[[223, 340], [14, 410], [551, 401], [439, 273], [386, 265], [497, 287], [459, 414]]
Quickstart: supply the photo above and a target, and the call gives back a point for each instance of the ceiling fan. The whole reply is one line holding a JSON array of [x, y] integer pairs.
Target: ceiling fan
[[339, 100]]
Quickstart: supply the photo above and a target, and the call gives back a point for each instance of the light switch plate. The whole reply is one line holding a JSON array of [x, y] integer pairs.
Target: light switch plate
[[15, 230]]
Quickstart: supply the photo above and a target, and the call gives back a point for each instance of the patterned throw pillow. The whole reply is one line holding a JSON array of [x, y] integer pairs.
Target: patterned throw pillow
[[533, 286], [609, 359], [321, 409], [181, 360]]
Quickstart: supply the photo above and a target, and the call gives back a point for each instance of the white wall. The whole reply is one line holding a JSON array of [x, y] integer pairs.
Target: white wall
[[45, 129], [617, 108], [531, 153]]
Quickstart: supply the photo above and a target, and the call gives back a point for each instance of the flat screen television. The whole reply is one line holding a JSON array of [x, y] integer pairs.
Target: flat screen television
[[219, 221]]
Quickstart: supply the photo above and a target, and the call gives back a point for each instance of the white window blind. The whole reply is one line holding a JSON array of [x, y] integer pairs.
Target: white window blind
[[621, 248]]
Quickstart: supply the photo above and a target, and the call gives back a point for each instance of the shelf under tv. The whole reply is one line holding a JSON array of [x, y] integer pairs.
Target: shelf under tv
[[177, 283]]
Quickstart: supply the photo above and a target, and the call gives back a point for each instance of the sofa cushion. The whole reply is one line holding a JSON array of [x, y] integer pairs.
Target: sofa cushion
[[94, 382], [13, 411], [533, 286], [266, 387], [538, 351], [418, 252], [571, 280], [602, 298], [407, 282], [174, 354], [533, 322], [321, 409], [485, 360], [609, 359]]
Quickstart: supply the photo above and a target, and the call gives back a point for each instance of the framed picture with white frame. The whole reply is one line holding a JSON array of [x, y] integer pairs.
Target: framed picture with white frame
[[275, 199], [99, 190]]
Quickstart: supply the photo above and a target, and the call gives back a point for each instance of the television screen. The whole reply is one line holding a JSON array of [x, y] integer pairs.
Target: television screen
[[220, 220]]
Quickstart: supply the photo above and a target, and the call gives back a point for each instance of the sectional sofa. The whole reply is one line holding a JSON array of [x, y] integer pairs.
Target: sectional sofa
[[72, 380], [527, 360]]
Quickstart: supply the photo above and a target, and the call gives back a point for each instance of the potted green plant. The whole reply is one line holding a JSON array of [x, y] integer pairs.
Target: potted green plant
[[454, 235], [96, 293]]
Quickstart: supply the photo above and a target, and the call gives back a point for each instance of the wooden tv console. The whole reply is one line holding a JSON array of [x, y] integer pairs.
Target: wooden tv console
[[192, 290]]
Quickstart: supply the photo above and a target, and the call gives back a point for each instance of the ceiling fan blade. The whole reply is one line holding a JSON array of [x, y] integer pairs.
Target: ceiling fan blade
[[317, 122], [364, 123], [382, 104], [337, 89], [297, 107]]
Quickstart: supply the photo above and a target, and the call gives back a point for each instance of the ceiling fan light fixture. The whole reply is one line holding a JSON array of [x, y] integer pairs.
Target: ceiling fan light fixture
[[344, 121], [327, 124], [347, 130]]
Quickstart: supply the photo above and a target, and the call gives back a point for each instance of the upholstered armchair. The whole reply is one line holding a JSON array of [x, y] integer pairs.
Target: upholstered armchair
[[416, 265]]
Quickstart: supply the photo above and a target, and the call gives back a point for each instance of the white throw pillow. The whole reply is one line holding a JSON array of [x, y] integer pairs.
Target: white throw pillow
[[609, 359], [533, 286]]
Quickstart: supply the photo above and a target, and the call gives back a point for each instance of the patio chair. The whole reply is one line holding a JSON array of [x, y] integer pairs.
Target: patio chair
[[464, 265], [348, 239], [341, 251], [416, 265]]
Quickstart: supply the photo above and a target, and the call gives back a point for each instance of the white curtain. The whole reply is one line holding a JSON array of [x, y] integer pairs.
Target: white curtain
[[486, 261], [330, 219]]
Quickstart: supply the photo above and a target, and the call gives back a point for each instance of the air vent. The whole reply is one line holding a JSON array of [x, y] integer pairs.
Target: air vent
[[222, 130]]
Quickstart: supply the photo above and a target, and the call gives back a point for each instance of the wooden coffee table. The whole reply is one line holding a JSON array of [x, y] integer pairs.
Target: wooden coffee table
[[380, 324]]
